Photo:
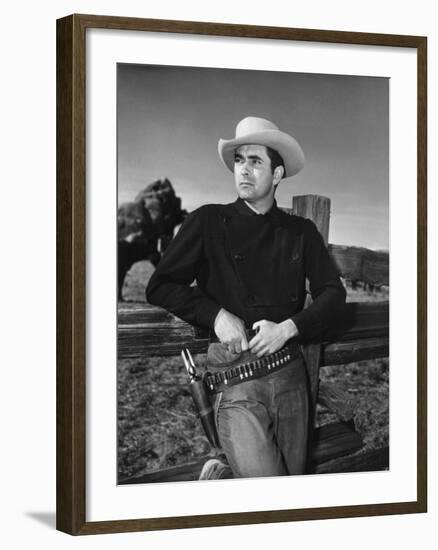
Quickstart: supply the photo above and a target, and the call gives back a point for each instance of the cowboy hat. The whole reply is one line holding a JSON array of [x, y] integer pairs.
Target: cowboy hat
[[259, 131]]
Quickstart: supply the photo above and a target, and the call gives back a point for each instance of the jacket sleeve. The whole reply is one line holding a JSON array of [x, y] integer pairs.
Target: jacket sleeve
[[171, 285], [326, 288]]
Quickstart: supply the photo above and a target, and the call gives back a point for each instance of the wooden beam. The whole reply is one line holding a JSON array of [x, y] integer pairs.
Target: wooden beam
[[151, 331], [331, 441], [332, 354], [357, 316], [370, 461], [334, 440], [351, 351], [338, 401]]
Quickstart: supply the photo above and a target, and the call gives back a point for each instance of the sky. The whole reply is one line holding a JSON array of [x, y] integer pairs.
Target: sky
[[170, 119]]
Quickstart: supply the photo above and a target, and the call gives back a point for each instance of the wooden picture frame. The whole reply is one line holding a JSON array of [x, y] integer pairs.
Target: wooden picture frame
[[71, 273]]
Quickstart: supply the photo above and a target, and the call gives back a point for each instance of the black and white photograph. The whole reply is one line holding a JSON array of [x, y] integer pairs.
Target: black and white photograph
[[219, 305], [253, 273]]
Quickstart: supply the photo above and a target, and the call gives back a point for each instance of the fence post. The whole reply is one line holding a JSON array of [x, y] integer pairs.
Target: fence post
[[317, 209]]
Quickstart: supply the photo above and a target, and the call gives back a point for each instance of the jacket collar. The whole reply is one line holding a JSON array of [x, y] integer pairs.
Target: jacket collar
[[274, 214]]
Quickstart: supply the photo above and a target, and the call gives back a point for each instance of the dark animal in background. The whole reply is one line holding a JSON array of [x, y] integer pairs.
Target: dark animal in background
[[146, 226]]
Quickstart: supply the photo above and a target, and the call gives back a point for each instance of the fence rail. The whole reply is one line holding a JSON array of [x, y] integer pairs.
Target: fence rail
[[151, 331]]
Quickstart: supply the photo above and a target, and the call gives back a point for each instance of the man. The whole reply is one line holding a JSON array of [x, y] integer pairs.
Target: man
[[250, 261]]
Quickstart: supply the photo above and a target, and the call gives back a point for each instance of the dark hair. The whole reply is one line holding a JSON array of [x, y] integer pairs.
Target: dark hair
[[275, 157]]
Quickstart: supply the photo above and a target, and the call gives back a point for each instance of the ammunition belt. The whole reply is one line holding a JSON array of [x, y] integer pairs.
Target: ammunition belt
[[220, 381]]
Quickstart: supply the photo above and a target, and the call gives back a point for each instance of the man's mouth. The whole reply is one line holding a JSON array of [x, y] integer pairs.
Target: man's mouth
[[246, 183]]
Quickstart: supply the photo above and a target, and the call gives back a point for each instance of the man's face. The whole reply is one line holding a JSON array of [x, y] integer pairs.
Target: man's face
[[252, 173]]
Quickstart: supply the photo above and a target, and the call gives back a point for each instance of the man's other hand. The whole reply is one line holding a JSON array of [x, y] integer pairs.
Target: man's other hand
[[271, 336], [230, 330]]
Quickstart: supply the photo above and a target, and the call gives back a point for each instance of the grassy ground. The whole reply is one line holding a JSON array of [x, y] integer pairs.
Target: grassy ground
[[157, 427]]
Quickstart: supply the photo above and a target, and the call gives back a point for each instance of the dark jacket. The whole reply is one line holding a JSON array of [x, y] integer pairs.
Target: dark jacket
[[254, 266]]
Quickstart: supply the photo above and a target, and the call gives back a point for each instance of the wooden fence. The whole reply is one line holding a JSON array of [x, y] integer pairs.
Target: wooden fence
[[362, 333]]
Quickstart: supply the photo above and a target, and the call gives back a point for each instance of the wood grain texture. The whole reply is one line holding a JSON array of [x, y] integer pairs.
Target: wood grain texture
[[315, 208], [64, 327], [370, 461], [71, 268], [70, 513], [247, 31], [149, 332], [337, 400], [422, 275], [351, 351], [330, 442]]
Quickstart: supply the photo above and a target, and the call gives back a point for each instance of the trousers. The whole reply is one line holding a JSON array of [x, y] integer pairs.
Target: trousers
[[263, 423]]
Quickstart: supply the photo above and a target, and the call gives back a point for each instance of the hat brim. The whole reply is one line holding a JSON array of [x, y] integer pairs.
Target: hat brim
[[286, 146]]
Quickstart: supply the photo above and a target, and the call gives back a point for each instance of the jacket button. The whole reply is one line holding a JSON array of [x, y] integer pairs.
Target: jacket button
[[251, 299]]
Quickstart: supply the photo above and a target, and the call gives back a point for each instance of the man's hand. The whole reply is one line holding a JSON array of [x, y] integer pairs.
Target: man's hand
[[230, 330], [271, 336]]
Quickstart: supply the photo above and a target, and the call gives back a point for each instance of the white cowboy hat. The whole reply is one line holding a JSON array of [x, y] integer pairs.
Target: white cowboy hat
[[259, 131]]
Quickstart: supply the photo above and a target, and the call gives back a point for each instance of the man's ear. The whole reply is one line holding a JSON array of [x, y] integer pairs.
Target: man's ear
[[278, 174]]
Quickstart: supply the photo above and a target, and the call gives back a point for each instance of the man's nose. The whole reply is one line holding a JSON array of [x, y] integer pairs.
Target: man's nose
[[245, 167]]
